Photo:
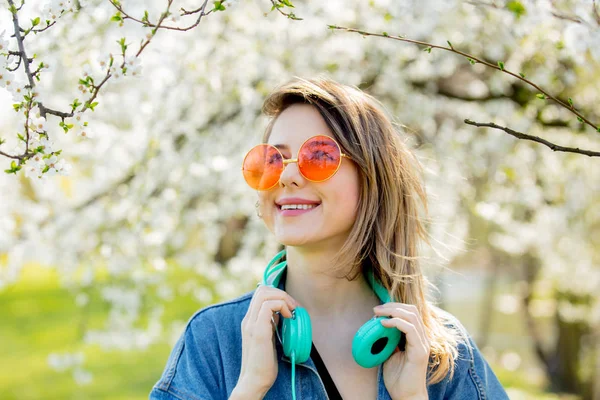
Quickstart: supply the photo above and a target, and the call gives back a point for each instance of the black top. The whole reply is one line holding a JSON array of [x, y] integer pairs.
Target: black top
[[330, 388], [332, 391]]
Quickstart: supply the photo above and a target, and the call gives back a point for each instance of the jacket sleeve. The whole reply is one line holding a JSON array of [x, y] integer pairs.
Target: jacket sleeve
[[473, 376], [194, 370]]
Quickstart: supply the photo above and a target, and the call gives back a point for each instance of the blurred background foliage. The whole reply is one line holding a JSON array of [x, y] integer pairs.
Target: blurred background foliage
[[100, 270]]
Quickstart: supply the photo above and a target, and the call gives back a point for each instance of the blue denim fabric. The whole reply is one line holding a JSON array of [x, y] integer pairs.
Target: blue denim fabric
[[206, 360]]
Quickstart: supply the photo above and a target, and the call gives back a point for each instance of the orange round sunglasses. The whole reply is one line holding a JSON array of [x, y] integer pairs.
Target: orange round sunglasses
[[319, 158]]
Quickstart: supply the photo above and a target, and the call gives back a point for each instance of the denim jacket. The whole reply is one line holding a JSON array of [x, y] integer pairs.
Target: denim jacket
[[206, 361]]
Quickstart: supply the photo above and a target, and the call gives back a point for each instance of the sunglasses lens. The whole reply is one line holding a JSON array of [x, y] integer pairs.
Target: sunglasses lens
[[262, 167], [319, 158]]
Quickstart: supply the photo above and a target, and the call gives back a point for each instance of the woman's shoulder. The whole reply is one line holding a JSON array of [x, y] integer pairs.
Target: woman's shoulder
[[473, 377], [225, 311], [205, 358]]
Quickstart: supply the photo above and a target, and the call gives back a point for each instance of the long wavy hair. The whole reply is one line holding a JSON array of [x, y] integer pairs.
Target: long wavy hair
[[387, 230]]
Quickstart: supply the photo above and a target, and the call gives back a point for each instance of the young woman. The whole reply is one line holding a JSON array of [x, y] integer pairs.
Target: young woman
[[341, 192]]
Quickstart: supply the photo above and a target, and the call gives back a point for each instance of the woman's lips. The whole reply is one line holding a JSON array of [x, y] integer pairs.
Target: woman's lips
[[291, 213]]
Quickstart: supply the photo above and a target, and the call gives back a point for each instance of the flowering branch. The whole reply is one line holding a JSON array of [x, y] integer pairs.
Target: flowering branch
[[474, 60], [36, 112], [122, 15], [524, 136], [279, 4]]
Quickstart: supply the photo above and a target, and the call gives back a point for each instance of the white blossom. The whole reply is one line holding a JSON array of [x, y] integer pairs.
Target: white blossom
[[175, 17], [133, 66], [87, 70], [37, 124], [7, 79], [3, 44], [104, 62], [116, 72], [48, 145], [18, 92]]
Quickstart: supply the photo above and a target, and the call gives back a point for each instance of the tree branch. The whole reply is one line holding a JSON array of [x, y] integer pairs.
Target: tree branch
[[278, 7], [474, 60], [19, 39], [164, 15], [520, 135]]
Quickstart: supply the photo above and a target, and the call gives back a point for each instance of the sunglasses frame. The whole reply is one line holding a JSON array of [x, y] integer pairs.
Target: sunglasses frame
[[287, 161]]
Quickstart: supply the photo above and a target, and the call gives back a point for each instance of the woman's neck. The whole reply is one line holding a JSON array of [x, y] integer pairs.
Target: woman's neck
[[311, 282]]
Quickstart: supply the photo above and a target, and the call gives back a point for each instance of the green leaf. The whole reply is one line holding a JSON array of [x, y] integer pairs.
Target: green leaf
[[35, 21], [2, 141], [541, 96], [385, 34], [501, 65], [219, 6], [473, 62], [287, 3], [117, 17], [94, 104], [428, 49], [145, 17], [571, 102], [21, 137], [598, 129], [387, 17], [580, 119], [522, 74], [449, 44], [517, 8]]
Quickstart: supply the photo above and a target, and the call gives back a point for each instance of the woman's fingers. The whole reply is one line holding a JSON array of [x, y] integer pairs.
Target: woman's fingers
[[410, 320], [266, 293], [414, 343]]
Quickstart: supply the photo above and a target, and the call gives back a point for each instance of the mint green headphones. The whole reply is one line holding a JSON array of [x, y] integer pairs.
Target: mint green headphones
[[373, 343]]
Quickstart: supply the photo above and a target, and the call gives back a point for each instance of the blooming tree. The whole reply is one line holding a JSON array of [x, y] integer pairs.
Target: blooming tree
[[153, 152]]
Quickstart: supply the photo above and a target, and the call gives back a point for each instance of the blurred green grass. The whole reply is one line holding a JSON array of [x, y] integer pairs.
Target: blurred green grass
[[39, 317]]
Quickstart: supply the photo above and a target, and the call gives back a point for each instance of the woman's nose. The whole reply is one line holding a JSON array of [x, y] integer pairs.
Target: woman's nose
[[291, 175]]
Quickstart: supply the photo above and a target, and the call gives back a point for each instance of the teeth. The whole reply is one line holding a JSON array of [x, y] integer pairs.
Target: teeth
[[297, 206]]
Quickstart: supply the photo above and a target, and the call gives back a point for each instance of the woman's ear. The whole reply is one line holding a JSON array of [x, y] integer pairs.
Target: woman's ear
[[257, 206]]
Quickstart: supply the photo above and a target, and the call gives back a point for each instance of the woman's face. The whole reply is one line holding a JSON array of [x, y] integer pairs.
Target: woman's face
[[330, 222]]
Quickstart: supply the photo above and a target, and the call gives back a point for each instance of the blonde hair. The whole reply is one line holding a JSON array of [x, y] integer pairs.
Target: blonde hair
[[386, 233]]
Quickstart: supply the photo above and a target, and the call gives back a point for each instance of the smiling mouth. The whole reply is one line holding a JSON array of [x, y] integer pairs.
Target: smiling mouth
[[302, 207], [296, 211]]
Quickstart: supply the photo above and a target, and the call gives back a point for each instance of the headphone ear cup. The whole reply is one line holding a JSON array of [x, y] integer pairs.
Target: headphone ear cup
[[297, 335], [374, 343]]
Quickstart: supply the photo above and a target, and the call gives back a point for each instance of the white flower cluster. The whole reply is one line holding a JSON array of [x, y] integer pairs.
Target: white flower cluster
[[131, 67], [54, 9], [81, 126], [37, 164]]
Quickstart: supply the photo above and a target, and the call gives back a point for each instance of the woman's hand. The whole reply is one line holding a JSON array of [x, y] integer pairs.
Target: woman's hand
[[405, 372], [259, 358]]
